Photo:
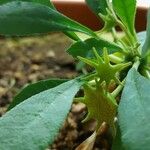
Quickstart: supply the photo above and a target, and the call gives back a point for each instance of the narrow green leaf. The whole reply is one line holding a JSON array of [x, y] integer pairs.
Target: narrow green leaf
[[126, 10], [27, 18], [84, 48], [146, 47], [134, 112], [33, 89], [98, 6], [44, 2], [34, 123]]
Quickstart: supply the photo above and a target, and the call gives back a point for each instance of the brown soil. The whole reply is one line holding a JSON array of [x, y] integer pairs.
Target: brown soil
[[28, 60]]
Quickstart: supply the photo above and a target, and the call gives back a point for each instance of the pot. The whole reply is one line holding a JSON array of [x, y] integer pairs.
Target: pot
[[79, 11]]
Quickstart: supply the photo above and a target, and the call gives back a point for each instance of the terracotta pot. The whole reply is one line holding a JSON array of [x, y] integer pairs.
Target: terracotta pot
[[78, 10]]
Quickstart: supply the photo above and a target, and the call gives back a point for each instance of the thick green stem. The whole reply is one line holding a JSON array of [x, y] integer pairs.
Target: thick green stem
[[137, 63]]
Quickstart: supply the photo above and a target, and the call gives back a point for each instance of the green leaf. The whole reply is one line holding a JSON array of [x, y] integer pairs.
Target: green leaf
[[84, 48], [146, 47], [44, 2], [33, 89], [98, 6], [126, 10], [72, 35], [34, 123], [27, 18], [117, 143], [141, 37], [134, 112]]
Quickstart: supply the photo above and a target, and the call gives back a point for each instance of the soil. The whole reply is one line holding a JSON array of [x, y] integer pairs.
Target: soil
[[27, 60]]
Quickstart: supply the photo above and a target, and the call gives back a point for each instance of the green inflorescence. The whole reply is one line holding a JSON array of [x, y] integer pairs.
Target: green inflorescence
[[105, 71], [101, 104]]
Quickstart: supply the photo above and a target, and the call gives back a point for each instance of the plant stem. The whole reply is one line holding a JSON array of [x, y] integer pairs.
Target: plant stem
[[114, 34], [89, 77], [131, 38], [147, 74], [116, 92], [136, 63], [95, 35], [115, 59]]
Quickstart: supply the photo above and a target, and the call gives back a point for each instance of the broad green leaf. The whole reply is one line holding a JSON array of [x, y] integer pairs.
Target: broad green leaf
[[84, 48], [134, 112], [98, 6], [72, 35], [34, 123], [27, 18], [33, 89], [44, 2], [126, 10], [146, 47], [141, 37]]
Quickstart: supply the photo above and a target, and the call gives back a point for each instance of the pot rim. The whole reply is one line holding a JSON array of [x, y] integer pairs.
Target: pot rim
[[78, 11], [140, 4]]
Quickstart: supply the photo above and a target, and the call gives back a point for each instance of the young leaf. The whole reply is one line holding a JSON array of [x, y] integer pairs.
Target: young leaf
[[44, 2], [27, 18], [84, 48], [34, 89], [134, 112], [34, 123], [146, 47], [98, 6], [126, 10]]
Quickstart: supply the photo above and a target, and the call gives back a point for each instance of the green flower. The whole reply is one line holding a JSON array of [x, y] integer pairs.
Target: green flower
[[105, 71], [101, 105]]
